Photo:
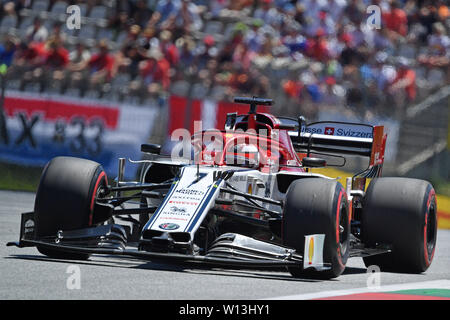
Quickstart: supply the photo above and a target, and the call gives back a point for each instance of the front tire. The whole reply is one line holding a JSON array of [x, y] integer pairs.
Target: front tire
[[65, 199], [318, 206], [400, 212]]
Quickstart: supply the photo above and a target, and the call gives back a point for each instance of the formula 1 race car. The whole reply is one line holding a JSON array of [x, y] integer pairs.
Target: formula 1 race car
[[244, 196]]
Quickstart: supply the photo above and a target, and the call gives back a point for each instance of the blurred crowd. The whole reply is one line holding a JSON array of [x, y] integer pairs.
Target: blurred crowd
[[309, 55]]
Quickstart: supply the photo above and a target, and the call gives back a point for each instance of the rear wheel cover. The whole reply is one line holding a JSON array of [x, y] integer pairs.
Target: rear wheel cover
[[402, 213]]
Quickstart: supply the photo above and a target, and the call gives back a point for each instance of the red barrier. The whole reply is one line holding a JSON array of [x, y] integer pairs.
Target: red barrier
[[183, 113], [53, 110]]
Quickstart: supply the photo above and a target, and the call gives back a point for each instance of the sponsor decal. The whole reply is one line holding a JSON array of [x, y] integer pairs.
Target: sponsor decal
[[168, 226], [184, 202], [174, 210], [353, 133], [342, 130], [37, 128], [313, 251], [191, 192], [29, 226], [329, 131], [313, 130]]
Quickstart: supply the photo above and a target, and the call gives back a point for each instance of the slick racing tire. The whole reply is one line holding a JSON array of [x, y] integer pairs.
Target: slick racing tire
[[317, 206], [402, 213], [65, 199]]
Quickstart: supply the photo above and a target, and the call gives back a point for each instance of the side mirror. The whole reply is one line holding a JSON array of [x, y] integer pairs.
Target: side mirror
[[314, 162], [151, 148]]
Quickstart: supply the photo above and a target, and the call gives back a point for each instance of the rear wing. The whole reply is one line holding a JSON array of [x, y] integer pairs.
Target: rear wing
[[343, 138]]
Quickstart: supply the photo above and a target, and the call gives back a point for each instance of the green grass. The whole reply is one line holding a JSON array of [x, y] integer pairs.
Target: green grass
[[22, 178], [442, 187], [16, 177]]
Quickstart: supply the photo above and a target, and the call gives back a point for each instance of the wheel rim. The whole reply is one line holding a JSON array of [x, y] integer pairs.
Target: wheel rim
[[343, 230], [431, 231]]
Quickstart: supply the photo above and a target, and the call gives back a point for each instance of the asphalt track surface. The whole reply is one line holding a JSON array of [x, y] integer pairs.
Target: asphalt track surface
[[26, 274]]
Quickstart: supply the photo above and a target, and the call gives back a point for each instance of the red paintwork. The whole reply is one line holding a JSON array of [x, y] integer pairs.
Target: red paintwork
[[52, 110], [276, 145]]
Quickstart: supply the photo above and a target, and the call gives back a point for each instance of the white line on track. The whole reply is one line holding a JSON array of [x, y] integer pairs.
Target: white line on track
[[436, 284]]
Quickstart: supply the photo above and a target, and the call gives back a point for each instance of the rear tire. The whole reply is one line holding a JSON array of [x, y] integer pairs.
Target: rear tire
[[400, 212], [65, 199], [318, 206]]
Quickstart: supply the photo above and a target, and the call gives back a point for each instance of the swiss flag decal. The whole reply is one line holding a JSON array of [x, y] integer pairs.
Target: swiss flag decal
[[329, 131]]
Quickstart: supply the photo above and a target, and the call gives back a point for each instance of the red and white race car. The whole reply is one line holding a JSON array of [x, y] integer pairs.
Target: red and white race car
[[245, 197]]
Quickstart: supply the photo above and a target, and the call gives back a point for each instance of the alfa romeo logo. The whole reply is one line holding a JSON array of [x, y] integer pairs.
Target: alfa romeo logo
[[169, 226]]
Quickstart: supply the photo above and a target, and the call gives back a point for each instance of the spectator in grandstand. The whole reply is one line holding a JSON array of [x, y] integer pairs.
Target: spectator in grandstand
[[317, 46], [147, 40], [128, 59], [403, 85], [438, 41], [50, 61], [243, 56], [7, 51], [57, 58], [396, 20], [332, 93], [268, 13], [238, 5], [10, 8], [334, 9], [254, 37], [240, 80], [99, 68], [266, 51], [186, 20], [155, 71], [140, 13], [205, 51], [101, 64], [187, 47], [381, 41], [327, 33], [350, 55], [427, 17], [164, 10], [443, 11], [57, 32], [78, 57], [354, 12], [438, 53], [76, 70], [28, 55], [207, 76], [383, 72], [216, 7], [132, 35], [292, 86], [36, 32], [119, 22], [168, 48]]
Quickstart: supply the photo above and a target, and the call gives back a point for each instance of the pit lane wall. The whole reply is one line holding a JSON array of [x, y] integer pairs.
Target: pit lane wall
[[41, 126]]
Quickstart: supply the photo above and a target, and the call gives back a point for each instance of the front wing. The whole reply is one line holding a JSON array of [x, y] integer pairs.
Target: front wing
[[230, 249]]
